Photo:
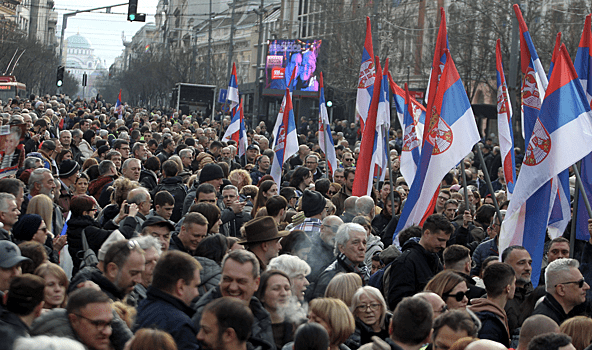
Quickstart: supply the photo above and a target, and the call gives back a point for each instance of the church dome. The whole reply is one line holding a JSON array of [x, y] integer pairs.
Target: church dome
[[79, 42]]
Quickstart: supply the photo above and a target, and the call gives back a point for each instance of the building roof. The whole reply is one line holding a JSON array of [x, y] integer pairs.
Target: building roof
[[79, 42]]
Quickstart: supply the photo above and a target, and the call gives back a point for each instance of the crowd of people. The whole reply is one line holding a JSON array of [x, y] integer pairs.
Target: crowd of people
[[146, 231]]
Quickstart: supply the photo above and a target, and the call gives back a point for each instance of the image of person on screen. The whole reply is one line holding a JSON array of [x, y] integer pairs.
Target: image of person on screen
[[295, 62], [11, 154], [307, 81]]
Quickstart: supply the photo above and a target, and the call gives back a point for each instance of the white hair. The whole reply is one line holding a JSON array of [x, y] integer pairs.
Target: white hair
[[555, 270], [290, 264], [147, 242], [44, 342], [344, 235], [365, 205]]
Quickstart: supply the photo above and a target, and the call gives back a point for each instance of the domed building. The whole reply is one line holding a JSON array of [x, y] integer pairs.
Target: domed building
[[80, 59]]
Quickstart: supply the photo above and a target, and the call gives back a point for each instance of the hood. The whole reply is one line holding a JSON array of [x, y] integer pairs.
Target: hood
[[486, 305]]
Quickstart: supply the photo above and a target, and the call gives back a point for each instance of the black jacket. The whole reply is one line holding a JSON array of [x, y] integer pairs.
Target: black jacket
[[410, 272], [176, 244], [11, 328], [148, 179], [95, 236], [515, 307], [550, 307], [364, 333], [174, 185], [320, 256], [95, 275]]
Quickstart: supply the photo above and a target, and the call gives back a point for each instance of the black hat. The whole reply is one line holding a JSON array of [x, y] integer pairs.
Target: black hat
[[210, 172], [48, 144], [103, 149], [313, 203], [253, 146], [68, 168], [158, 221]]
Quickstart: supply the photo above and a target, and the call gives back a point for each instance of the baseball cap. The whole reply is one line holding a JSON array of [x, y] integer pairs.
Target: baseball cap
[[10, 255], [158, 221]]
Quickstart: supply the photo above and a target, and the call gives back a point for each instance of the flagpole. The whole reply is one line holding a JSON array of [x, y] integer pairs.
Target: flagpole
[[488, 180], [574, 220], [390, 170], [466, 190], [584, 197]]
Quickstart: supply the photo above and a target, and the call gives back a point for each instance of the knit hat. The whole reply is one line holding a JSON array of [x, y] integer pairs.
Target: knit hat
[[68, 168], [210, 172], [115, 236], [27, 227], [313, 203]]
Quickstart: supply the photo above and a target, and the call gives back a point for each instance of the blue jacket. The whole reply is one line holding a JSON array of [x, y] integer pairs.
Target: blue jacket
[[169, 314], [483, 251]]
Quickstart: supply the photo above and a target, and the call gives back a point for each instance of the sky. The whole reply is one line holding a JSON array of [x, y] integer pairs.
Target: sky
[[103, 31]]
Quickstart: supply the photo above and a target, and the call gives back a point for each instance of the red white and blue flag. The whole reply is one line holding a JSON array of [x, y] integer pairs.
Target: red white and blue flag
[[325, 138], [236, 130], [411, 116], [366, 80], [449, 135], [119, 106], [583, 66], [379, 165], [285, 141], [534, 86], [232, 96], [504, 125], [561, 136], [365, 167]]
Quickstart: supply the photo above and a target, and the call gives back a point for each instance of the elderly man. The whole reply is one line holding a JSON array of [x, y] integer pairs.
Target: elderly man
[[263, 239], [9, 214], [174, 286], [152, 251], [315, 211], [233, 216], [321, 253], [41, 181], [566, 289], [131, 169], [240, 280], [140, 151], [350, 250], [160, 229]]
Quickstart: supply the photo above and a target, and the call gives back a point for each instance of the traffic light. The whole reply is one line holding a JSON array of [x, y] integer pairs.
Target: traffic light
[[60, 76], [132, 12], [84, 79], [329, 104]]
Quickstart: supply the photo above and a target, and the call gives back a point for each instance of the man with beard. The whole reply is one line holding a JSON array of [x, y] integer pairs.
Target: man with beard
[[225, 325], [42, 182], [226, 156], [520, 260], [140, 152]]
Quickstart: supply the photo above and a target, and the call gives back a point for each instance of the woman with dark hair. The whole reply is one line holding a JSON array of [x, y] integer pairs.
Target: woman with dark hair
[[311, 336], [267, 190], [93, 171], [212, 213], [80, 185], [149, 174], [86, 143], [274, 293], [296, 243], [65, 154], [301, 179], [209, 253], [83, 209]]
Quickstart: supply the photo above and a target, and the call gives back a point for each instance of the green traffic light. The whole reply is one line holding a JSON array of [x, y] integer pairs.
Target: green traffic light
[[132, 17], [329, 103], [59, 83]]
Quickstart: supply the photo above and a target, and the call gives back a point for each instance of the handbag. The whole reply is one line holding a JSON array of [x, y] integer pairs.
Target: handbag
[[89, 258]]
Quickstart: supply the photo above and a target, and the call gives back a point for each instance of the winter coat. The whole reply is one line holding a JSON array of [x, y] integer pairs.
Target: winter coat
[[550, 307], [174, 185], [11, 328], [169, 314], [320, 256], [379, 223], [338, 199], [515, 306], [56, 323], [483, 251], [148, 179], [410, 272], [261, 329], [95, 236], [337, 266], [86, 149], [364, 333], [91, 273], [494, 323], [210, 274]]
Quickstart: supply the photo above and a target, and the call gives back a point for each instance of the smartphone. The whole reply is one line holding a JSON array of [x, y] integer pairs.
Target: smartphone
[[126, 208]]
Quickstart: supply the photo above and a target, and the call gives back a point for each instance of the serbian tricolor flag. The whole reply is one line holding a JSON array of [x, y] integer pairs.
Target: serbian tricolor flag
[[561, 136], [119, 106], [236, 130], [583, 66], [280, 116], [411, 116], [285, 141], [381, 135], [534, 85], [325, 138], [364, 175], [366, 81], [449, 135], [504, 124], [232, 96]]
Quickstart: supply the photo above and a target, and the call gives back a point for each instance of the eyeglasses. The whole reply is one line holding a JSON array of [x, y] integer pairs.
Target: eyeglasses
[[349, 159], [333, 193], [100, 325], [364, 307], [458, 296], [443, 309], [580, 283]]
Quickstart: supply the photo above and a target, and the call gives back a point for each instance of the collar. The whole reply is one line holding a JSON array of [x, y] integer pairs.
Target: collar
[[157, 294]]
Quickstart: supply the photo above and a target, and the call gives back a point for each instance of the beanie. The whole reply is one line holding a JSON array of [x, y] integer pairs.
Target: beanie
[[27, 227], [210, 172], [313, 203]]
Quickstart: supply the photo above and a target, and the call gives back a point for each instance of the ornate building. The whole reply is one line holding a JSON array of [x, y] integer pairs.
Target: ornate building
[[80, 59]]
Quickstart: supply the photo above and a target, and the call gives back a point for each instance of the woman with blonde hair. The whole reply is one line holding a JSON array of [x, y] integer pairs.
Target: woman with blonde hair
[[343, 287], [335, 317], [42, 205], [579, 328], [56, 285], [240, 178], [451, 287], [152, 339], [372, 317], [121, 188]]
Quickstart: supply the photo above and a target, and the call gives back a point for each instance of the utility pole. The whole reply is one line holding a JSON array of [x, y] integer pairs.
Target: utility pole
[[257, 101], [231, 40], [71, 14], [209, 58]]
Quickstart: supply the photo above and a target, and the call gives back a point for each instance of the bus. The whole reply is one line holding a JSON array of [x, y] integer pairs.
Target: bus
[[10, 88]]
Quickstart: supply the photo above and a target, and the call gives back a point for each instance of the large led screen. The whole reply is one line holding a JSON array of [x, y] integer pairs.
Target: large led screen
[[284, 56]]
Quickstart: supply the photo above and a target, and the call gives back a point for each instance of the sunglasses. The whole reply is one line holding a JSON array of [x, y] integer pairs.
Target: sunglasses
[[580, 283], [458, 296]]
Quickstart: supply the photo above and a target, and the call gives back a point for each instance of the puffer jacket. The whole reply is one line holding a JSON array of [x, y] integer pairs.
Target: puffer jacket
[[210, 274]]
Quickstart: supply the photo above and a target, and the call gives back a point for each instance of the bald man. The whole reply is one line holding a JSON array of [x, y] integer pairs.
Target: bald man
[[533, 326]]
